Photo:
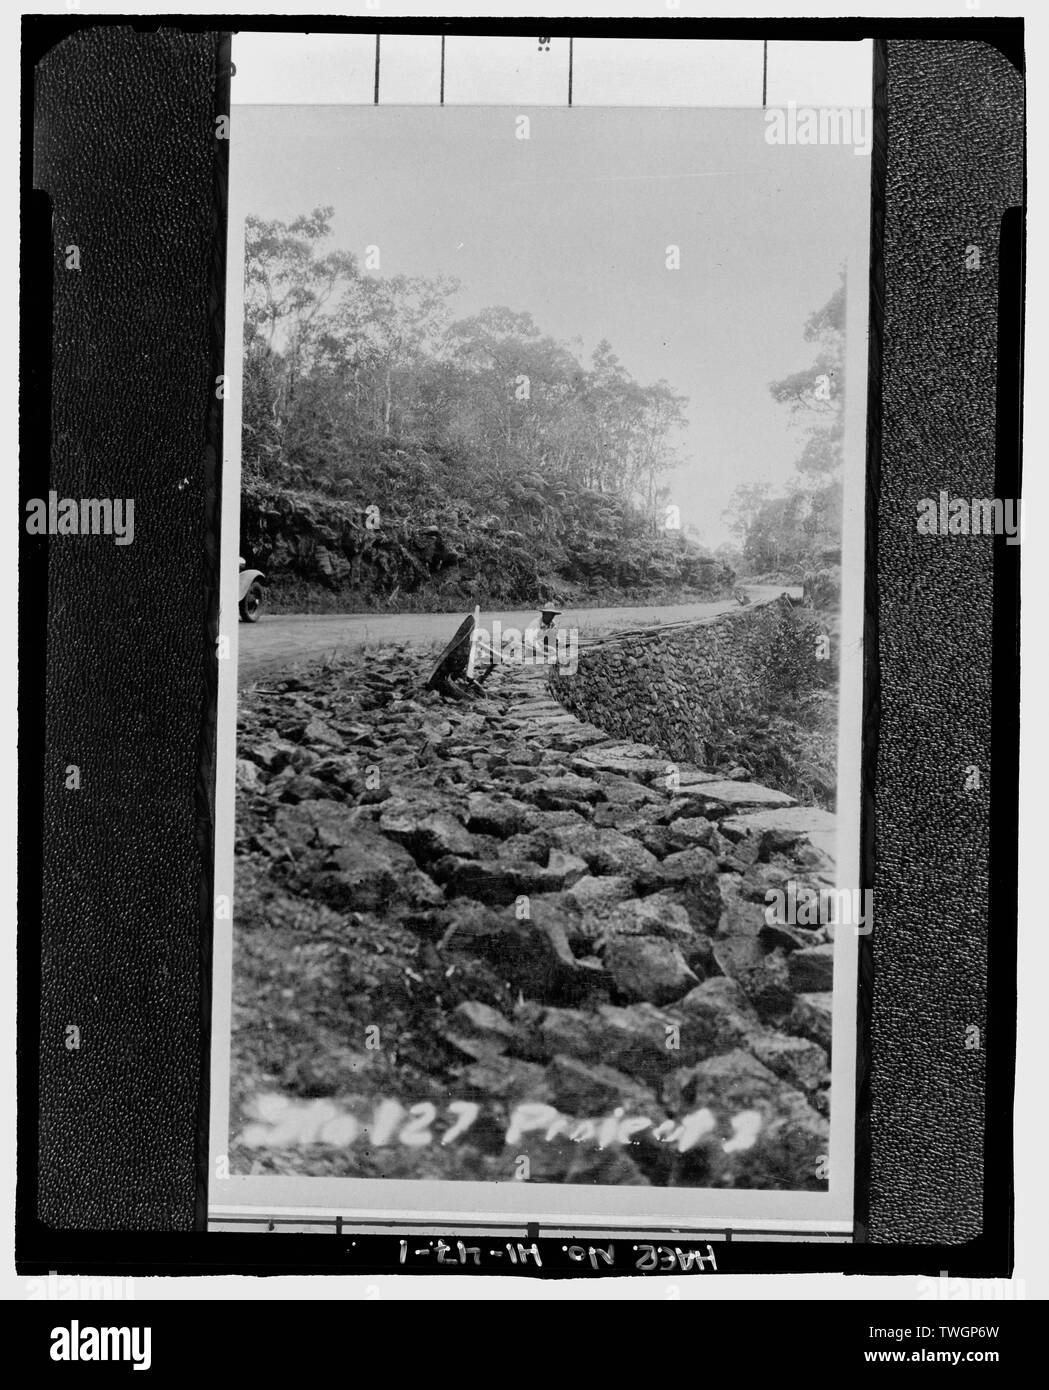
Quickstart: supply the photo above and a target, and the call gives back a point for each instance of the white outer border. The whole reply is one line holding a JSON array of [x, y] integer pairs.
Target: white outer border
[[1032, 1210]]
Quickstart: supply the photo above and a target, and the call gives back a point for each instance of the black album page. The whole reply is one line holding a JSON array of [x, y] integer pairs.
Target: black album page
[[519, 752]]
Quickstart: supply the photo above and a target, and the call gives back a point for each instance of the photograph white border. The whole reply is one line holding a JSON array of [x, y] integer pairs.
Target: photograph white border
[[418, 1202]]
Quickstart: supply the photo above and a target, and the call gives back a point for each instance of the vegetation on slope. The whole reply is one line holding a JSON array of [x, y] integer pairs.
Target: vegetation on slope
[[394, 455]]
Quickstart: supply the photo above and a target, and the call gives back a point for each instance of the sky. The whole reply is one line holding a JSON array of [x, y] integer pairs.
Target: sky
[[572, 225]]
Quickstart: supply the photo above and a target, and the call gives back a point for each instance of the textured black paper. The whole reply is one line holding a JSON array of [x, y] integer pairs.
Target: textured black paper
[[954, 165], [126, 150]]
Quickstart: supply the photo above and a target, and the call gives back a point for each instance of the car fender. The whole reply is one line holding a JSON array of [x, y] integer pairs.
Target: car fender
[[247, 578]]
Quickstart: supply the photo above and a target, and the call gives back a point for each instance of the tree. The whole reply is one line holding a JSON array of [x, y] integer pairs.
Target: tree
[[744, 507], [799, 528], [287, 284], [369, 387]]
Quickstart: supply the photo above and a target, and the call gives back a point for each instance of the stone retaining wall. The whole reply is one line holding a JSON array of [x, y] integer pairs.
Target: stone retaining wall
[[684, 686]]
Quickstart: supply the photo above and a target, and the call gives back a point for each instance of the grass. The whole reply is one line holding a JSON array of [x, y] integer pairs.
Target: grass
[[299, 596]]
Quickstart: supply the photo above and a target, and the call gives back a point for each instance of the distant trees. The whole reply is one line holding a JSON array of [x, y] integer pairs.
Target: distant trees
[[802, 527], [505, 466], [340, 363]]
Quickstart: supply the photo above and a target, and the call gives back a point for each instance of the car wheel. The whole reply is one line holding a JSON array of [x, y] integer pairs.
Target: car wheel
[[251, 604]]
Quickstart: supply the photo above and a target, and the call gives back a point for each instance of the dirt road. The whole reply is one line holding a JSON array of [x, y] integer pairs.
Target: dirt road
[[281, 640]]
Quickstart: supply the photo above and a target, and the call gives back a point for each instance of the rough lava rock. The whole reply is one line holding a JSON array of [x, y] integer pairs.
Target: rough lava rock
[[648, 968], [534, 913]]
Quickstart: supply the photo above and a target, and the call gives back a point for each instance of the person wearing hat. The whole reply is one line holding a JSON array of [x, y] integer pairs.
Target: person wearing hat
[[547, 614]]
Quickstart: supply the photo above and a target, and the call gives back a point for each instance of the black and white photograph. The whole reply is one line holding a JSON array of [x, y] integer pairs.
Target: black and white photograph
[[521, 787], [537, 864]]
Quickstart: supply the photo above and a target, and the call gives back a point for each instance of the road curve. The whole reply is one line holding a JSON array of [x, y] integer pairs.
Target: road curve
[[282, 640]]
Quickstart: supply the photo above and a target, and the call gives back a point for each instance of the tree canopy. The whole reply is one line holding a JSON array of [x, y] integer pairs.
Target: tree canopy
[[800, 528], [368, 388]]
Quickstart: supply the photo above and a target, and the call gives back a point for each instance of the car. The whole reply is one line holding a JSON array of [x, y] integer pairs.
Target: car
[[250, 597]]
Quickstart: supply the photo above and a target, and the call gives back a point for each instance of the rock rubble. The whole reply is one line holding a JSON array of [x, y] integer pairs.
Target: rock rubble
[[498, 904]]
